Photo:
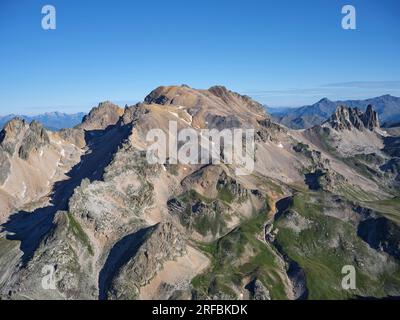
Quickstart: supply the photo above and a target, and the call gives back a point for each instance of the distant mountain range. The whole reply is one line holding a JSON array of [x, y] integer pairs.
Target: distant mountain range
[[387, 107], [50, 120]]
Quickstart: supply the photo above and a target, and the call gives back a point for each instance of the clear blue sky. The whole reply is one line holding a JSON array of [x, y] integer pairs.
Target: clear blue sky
[[282, 53]]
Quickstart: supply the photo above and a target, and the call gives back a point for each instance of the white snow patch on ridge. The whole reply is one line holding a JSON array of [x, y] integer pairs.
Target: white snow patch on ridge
[[23, 192]]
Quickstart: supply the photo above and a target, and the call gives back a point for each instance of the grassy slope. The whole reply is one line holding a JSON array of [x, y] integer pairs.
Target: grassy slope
[[78, 232], [323, 262], [390, 208], [237, 256]]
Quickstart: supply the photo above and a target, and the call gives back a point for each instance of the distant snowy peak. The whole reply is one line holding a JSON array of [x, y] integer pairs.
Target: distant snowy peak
[[51, 120]]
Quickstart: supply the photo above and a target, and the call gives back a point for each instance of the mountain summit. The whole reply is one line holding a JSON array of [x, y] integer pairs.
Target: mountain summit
[[102, 116]]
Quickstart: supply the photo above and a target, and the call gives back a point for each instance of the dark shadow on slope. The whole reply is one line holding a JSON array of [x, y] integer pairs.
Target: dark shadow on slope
[[381, 234], [295, 273], [282, 206], [119, 255], [312, 180], [30, 227], [392, 146]]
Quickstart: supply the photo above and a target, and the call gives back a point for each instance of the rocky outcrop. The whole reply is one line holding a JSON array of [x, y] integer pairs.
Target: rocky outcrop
[[199, 214], [5, 166], [163, 242], [229, 96], [346, 118], [222, 122], [258, 291], [204, 180], [133, 113], [387, 106], [64, 256], [211, 180], [230, 185], [314, 156], [156, 97], [35, 138], [17, 135], [175, 206], [12, 134], [319, 174], [268, 130], [104, 115], [74, 136], [323, 179], [370, 118]]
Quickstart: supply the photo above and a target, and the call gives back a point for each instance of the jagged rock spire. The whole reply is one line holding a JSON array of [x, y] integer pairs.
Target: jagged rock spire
[[346, 118]]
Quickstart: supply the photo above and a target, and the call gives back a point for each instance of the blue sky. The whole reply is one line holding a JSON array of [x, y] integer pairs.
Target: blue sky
[[283, 53]]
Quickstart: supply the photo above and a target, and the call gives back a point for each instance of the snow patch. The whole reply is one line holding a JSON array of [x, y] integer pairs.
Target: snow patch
[[184, 120], [23, 192]]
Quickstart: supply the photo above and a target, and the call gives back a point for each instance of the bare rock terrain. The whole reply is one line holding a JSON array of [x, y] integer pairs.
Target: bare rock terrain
[[84, 206]]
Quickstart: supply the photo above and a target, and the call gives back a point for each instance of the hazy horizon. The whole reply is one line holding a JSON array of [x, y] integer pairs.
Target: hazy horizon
[[122, 103]]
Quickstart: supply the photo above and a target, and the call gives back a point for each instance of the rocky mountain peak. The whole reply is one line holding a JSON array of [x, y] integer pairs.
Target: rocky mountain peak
[[219, 91], [158, 96], [11, 134], [36, 126], [345, 118], [370, 118], [102, 116], [231, 97], [324, 100], [18, 134], [35, 137], [217, 101], [12, 128]]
